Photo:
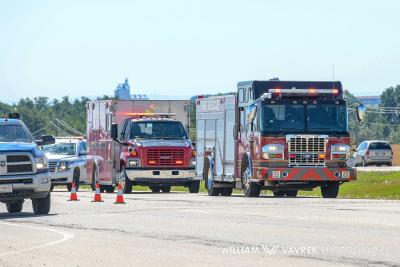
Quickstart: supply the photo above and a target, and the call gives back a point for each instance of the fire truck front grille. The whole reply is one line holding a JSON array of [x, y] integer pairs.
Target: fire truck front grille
[[306, 144], [306, 151], [165, 157]]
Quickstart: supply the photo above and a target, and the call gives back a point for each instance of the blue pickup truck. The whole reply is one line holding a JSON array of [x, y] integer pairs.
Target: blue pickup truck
[[24, 171]]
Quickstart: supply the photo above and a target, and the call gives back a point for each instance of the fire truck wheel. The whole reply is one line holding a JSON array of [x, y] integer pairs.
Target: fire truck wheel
[[250, 189], [292, 193], [212, 190], [227, 191], [128, 185], [166, 189], [155, 189], [14, 207], [279, 193], [330, 190], [194, 187], [110, 189]]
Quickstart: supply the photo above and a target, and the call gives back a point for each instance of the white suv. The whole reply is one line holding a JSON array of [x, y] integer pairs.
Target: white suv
[[67, 161]]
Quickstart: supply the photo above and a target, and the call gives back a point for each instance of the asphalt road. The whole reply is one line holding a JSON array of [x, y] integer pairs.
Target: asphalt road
[[181, 229]]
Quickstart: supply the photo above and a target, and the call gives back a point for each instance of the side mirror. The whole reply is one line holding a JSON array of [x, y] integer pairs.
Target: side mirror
[[251, 113], [114, 131], [360, 111], [46, 140]]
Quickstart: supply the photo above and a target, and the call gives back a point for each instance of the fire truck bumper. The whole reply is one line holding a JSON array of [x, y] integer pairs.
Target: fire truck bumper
[[182, 175], [307, 174]]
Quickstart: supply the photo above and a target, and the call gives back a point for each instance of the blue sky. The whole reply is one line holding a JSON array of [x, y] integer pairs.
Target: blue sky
[[177, 49]]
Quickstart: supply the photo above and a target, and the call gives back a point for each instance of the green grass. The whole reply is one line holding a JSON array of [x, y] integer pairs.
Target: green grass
[[372, 185]]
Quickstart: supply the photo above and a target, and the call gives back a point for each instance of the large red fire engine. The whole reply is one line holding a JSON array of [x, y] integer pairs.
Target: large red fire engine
[[276, 135], [140, 142]]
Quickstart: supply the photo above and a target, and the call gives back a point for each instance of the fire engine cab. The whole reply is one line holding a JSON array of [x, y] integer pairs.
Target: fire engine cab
[[283, 136], [140, 142]]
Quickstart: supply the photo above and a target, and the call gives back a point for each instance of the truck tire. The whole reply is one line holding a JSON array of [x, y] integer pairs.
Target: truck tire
[[330, 190], [41, 205], [292, 193], [155, 189], [14, 207], [166, 189], [227, 191], [75, 178], [279, 193], [128, 183], [194, 187], [250, 189], [210, 185]]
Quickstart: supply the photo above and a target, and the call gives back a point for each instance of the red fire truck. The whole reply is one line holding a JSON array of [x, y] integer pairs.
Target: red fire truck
[[140, 142], [283, 136]]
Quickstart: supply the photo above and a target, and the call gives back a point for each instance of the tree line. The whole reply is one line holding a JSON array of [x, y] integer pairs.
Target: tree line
[[45, 116]]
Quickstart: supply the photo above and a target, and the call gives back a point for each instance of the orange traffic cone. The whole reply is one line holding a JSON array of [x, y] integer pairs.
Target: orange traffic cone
[[74, 196], [97, 195], [120, 195]]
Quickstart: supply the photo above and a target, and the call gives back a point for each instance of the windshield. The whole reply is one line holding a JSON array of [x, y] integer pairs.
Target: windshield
[[158, 130], [14, 133], [304, 118], [61, 149]]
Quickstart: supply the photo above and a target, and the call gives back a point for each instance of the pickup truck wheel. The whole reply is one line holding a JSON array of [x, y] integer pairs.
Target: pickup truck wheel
[[292, 193], [110, 189], [279, 193], [226, 191], [41, 205], [155, 189], [331, 190], [194, 187], [166, 189], [14, 207], [250, 189]]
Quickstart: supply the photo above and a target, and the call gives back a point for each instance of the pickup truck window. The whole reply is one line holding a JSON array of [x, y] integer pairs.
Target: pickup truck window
[[14, 133], [172, 130]]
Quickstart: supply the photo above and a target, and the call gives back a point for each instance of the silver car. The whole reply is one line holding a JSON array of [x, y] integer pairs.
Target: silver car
[[373, 153]]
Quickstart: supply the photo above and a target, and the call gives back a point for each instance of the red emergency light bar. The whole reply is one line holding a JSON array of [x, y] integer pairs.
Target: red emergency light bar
[[148, 115], [304, 91]]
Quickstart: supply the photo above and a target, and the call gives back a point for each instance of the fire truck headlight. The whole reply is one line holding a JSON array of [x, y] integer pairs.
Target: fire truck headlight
[[134, 163], [340, 151], [192, 162], [273, 151]]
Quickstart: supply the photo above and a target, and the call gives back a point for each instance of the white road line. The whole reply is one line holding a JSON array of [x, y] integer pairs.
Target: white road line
[[65, 237]]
